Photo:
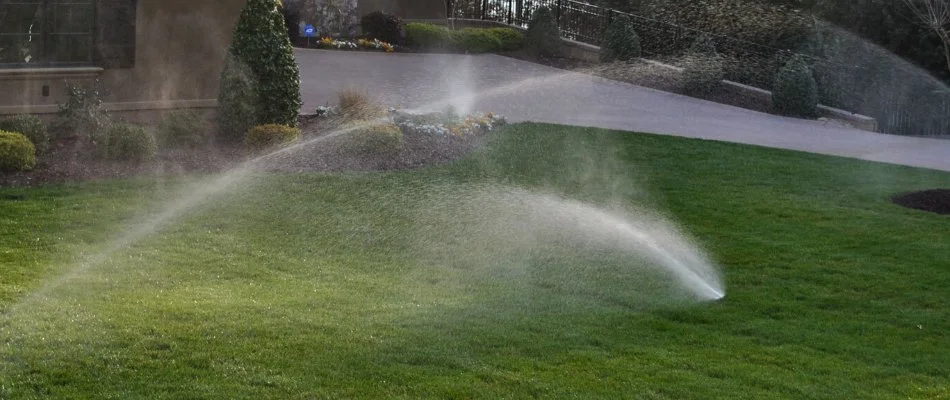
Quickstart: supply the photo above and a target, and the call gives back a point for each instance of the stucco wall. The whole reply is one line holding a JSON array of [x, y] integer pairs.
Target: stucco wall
[[406, 9], [179, 52]]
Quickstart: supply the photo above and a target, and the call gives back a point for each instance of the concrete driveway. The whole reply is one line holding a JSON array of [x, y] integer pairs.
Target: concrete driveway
[[524, 91]]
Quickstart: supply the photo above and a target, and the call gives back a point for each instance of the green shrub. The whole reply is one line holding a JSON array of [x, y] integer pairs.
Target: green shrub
[[543, 38], [382, 26], [795, 92], [511, 39], [621, 42], [184, 128], [16, 152], [475, 40], [237, 101], [129, 142], [30, 126], [263, 137], [427, 36], [83, 113], [372, 140], [702, 68], [262, 50]]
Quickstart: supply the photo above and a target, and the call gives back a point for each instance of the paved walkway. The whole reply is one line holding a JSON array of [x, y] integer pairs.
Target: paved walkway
[[524, 91]]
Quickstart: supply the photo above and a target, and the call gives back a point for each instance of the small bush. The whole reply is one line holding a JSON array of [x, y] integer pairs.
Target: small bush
[[702, 68], [511, 39], [372, 140], [263, 137], [475, 40], [356, 105], [428, 36], [543, 38], [83, 113], [795, 92], [129, 142], [184, 128], [621, 42], [385, 27], [16, 152], [30, 126]]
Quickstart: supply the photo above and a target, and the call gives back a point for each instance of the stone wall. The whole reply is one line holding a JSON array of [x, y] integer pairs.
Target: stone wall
[[405, 9], [330, 17]]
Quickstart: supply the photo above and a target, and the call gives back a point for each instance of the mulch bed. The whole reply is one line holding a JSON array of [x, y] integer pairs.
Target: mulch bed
[[934, 200], [68, 161]]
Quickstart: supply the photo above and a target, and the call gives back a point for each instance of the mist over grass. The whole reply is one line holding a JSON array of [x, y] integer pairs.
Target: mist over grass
[[309, 285]]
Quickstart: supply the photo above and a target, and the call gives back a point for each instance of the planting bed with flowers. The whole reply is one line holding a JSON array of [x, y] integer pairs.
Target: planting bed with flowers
[[358, 44], [423, 139]]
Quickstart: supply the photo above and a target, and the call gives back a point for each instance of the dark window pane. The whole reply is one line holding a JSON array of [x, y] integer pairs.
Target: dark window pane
[[73, 49], [72, 18], [20, 17]]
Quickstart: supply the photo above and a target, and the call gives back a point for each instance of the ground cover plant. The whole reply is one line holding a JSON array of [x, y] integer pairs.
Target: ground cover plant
[[311, 285]]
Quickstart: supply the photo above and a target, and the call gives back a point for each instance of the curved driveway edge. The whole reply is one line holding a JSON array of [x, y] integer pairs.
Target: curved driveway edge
[[524, 91]]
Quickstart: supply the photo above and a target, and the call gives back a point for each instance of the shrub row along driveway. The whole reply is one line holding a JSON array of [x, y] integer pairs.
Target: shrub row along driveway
[[524, 91]]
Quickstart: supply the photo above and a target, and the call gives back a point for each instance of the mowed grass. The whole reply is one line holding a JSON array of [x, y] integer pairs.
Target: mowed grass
[[312, 286]]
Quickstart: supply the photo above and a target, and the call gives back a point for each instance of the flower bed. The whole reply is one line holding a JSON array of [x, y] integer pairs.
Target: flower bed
[[359, 44]]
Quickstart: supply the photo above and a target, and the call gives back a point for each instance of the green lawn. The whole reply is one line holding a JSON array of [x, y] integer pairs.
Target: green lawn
[[331, 286]]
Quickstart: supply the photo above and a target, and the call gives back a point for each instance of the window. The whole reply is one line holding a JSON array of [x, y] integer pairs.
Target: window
[[64, 33], [47, 33]]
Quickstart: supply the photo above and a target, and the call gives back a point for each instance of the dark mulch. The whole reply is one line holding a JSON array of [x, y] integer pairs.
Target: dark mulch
[[68, 161], [935, 200]]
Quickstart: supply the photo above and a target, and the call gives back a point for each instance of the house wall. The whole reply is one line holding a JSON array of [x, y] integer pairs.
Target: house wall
[[405, 9], [179, 53]]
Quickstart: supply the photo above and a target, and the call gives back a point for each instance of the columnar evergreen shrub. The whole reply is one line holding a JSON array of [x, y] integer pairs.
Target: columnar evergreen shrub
[[30, 126], [261, 61], [268, 136], [543, 38], [385, 27], [621, 42], [129, 142], [237, 101], [795, 92], [702, 67], [16, 152]]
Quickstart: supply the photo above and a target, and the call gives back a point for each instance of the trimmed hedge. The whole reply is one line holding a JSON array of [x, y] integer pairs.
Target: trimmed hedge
[[621, 42], [428, 36], [263, 137], [474, 40], [511, 39], [795, 92], [16, 152], [30, 126], [129, 142]]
